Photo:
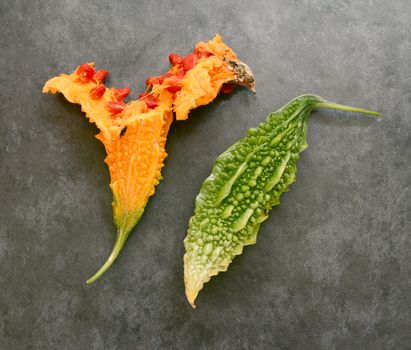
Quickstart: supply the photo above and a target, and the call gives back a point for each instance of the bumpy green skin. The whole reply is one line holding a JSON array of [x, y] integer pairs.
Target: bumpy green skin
[[246, 182]]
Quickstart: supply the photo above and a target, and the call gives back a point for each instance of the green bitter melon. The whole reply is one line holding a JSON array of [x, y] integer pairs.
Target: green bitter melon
[[247, 180]]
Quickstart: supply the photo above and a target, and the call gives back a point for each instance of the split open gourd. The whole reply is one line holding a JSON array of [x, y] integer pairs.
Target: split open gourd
[[134, 134]]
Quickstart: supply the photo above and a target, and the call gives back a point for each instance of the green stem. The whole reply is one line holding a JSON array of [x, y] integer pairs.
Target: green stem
[[118, 245], [332, 105]]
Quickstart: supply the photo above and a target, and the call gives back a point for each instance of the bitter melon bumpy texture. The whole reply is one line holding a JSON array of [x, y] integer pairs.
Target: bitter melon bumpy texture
[[134, 133], [247, 180]]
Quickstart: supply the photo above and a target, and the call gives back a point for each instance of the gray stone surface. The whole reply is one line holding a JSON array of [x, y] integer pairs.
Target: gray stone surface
[[332, 265]]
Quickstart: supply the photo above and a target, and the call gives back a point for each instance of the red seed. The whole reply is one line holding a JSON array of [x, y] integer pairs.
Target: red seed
[[175, 59], [174, 84], [151, 100], [121, 94], [157, 80], [101, 75], [85, 72], [174, 89], [115, 107], [98, 91], [189, 61], [227, 88]]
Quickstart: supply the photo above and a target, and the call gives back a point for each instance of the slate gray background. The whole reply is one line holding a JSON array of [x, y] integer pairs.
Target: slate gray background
[[332, 265]]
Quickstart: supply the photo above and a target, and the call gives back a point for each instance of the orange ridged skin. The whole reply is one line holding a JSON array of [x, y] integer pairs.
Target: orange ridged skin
[[135, 161]]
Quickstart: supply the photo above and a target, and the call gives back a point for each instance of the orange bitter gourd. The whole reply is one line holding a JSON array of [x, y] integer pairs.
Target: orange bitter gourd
[[134, 134], [247, 180]]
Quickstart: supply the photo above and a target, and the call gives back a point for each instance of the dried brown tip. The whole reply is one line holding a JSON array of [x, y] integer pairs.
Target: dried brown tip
[[244, 75]]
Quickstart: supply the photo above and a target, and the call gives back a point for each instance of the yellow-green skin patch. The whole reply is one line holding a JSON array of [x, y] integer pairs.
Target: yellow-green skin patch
[[246, 182]]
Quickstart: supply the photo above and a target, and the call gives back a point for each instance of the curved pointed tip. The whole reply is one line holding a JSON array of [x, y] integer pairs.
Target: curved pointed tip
[[192, 283], [191, 297], [118, 246], [106, 266]]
